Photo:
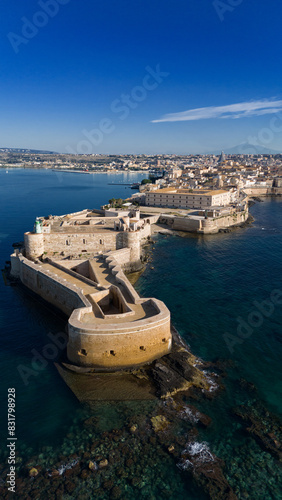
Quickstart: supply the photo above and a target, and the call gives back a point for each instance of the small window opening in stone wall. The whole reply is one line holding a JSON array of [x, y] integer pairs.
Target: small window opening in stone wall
[[101, 242], [142, 348], [112, 353], [164, 340], [84, 241], [83, 352]]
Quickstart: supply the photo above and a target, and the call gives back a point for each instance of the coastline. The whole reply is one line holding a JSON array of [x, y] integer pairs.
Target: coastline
[[166, 381], [72, 171], [64, 467], [166, 384]]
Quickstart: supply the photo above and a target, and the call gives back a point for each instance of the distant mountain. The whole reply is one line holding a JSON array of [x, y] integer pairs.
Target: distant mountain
[[26, 151], [248, 149]]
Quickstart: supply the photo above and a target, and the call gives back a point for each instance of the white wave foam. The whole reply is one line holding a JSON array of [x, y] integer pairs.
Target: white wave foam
[[200, 451], [184, 464], [67, 466], [188, 414], [213, 386]]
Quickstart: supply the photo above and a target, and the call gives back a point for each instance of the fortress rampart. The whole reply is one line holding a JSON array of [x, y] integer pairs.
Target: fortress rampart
[[48, 285], [110, 327], [263, 191], [78, 243], [87, 234], [200, 225]]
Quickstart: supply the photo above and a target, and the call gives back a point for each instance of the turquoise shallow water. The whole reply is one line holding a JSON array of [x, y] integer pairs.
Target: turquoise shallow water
[[208, 283]]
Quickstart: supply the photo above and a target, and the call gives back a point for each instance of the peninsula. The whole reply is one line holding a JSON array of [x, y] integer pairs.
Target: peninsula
[[76, 263]]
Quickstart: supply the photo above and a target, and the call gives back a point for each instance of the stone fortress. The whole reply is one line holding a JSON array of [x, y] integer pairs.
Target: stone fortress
[[76, 262]]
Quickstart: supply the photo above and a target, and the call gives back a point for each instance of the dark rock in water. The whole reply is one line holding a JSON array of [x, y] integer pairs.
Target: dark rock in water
[[219, 364], [178, 371], [70, 486], [72, 471], [177, 409], [206, 469], [84, 474], [263, 426], [247, 385], [90, 422], [116, 493], [129, 462], [121, 473], [103, 463], [199, 417], [256, 198], [135, 481], [179, 362], [167, 380], [175, 372], [108, 485]]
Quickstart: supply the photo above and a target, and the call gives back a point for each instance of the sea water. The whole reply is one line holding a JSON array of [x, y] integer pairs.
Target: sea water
[[212, 284]]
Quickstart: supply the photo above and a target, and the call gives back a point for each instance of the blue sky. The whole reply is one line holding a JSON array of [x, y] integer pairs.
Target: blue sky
[[67, 65]]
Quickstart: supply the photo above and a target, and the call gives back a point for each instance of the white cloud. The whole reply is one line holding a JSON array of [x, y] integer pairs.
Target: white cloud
[[234, 111]]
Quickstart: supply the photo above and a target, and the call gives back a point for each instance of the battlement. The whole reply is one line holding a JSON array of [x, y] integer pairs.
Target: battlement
[[110, 327]]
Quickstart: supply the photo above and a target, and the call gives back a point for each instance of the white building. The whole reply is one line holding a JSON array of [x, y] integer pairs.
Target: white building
[[183, 198]]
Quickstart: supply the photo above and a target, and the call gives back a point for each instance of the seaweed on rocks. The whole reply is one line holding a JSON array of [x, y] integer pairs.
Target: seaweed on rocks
[[262, 425], [206, 469]]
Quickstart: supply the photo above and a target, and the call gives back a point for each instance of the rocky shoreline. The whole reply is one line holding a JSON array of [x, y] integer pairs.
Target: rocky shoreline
[[242, 225], [134, 458], [159, 432]]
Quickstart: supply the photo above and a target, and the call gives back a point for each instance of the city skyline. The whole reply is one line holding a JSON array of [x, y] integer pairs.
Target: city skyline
[[131, 79]]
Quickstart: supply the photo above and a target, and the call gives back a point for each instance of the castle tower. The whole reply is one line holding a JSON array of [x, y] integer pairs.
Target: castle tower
[[133, 242], [34, 245]]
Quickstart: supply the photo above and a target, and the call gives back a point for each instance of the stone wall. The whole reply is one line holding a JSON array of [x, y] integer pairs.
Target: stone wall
[[133, 241], [50, 287], [111, 345], [185, 224], [146, 231], [255, 191], [83, 243], [34, 245], [119, 346], [77, 244], [263, 191], [121, 256], [223, 222], [50, 243], [152, 219], [202, 225]]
